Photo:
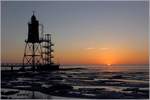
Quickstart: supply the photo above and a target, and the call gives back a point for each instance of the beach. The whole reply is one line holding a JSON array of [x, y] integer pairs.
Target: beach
[[84, 82]]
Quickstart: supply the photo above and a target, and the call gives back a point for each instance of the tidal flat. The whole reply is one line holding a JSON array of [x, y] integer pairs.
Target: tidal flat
[[74, 83]]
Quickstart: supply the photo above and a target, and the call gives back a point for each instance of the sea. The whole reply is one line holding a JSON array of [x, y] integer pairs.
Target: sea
[[79, 82]]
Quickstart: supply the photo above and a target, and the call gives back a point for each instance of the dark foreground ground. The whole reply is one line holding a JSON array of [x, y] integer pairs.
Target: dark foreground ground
[[74, 83]]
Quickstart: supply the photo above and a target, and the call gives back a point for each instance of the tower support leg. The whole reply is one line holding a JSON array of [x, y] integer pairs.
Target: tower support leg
[[32, 56]]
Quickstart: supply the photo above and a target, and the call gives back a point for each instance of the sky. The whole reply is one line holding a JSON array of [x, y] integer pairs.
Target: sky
[[84, 32]]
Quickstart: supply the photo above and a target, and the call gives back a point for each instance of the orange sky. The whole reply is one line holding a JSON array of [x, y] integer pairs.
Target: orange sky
[[92, 56], [104, 56]]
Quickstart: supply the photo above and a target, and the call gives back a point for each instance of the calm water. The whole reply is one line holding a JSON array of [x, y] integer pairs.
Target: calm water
[[113, 68]]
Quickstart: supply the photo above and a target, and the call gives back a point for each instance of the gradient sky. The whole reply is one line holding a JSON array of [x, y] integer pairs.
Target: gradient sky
[[99, 32]]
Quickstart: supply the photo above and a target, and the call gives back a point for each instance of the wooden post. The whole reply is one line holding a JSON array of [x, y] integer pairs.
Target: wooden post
[[11, 68]]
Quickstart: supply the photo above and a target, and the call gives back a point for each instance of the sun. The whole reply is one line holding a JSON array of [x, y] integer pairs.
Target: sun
[[108, 64]]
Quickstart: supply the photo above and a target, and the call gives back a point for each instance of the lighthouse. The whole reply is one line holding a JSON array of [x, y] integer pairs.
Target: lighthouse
[[38, 52], [33, 30], [33, 48]]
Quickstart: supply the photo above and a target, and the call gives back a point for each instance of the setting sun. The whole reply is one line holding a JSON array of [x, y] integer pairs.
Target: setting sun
[[108, 64]]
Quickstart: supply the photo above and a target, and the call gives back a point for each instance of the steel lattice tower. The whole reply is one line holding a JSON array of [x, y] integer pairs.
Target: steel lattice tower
[[33, 48], [48, 51]]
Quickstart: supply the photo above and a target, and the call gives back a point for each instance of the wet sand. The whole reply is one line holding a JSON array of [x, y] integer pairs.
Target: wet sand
[[75, 83]]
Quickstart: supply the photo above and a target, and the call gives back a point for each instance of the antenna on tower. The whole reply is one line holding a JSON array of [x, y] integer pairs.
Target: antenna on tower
[[33, 12]]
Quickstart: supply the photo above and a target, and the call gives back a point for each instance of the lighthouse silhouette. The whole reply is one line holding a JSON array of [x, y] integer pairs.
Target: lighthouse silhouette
[[38, 52], [33, 48], [33, 30]]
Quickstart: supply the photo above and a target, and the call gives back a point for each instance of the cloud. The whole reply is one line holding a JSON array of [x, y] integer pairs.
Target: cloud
[[104, 48], [89, 48], [92, 48]]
